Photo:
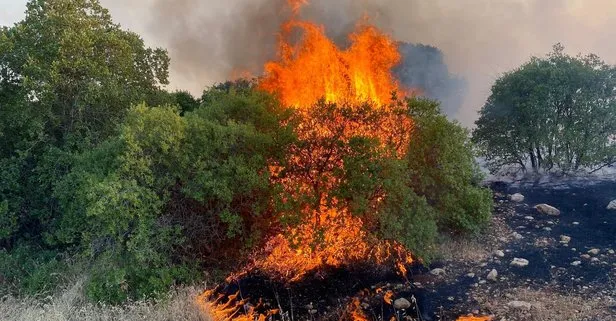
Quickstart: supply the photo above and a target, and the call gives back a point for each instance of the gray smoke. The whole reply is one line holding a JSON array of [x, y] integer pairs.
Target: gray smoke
[[213, 40]]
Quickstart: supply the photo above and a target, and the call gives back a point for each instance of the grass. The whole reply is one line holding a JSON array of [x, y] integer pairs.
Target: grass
[[71, 304]]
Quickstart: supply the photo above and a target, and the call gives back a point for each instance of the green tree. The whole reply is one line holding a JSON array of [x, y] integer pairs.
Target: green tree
[[68, 76], [552, 113]]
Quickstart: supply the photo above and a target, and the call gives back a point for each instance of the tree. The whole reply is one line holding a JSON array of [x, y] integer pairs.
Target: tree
[[68, 76], [552, 113]]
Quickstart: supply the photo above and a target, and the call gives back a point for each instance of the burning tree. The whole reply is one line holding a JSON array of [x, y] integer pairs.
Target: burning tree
[[352, 183]]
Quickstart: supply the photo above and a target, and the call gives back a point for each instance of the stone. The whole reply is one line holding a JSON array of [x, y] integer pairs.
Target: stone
[[547, 210], [402, 304], [438, 272], [594, 260], [518, 262], [565, 239], [522, 305], [611, 206], [576, 223], [611, 251], [493, 275], [576, 263], [517, 197], [594, 251], [585, 256], [499, 253], [517, 236], [529, 218], [470, 275], [547, 229]]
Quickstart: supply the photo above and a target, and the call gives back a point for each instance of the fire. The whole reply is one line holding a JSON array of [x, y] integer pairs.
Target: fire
[[338, 94], [316, 68]]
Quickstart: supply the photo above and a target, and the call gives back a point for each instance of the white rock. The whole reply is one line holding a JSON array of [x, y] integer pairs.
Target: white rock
[[576, 263], [594, 251], [565, 239], [594, 259], [548, 229], [611, 206], [493, 275], [470, 275], [520, 305], [529, 218], [499, 253], [611, 251], [438, 272], [517, 197], [519, 262], [576, 223], [402, 304], [547, 210], [517, 236]]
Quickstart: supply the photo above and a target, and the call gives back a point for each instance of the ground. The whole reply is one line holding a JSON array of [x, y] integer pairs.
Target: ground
[[563, 280]]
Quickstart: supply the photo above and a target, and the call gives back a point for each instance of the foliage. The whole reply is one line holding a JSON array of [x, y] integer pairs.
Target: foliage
[[444, 170], [68, 75], [553, 113], [31, 270]]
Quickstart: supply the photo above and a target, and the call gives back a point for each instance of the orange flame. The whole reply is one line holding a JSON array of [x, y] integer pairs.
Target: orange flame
[[316, 68]]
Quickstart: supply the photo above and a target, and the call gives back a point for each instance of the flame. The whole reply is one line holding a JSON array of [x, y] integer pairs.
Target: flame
[[316, 68], [306, 74]]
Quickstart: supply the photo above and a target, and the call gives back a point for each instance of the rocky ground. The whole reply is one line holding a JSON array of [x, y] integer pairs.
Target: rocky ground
[[534, 263]]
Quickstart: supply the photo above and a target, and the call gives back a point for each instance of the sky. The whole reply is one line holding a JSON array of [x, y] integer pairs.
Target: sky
[[209, 39]]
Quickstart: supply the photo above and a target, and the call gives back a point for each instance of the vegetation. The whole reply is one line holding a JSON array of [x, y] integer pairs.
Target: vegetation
[[102, 169], [551, 114]]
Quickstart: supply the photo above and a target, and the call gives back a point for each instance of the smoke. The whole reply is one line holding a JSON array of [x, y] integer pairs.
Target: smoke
[[214, 40], [424, 67]]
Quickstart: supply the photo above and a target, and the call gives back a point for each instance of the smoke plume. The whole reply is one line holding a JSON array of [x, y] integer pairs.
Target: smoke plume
[[214, 40]]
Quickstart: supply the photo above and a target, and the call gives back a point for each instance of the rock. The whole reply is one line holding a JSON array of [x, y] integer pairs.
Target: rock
[[470, 275], [576, 223], [522, 305], [493, 275], [611, 206], [565, 239], [313, 311], [517, 236], [517, 197], [594, 251], [519, 262], [611, 251], [438, 272], [576, 263], [499, 253], [402, 304], [594, 259], [547, 210], [547, 229], [529, 218], [585, 256]]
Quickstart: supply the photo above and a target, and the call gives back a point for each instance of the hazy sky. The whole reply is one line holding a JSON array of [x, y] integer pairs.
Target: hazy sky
[[209, 39]]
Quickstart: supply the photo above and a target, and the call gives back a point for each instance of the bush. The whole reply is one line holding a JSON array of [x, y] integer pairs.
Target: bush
[[443, 170], [32, 271]]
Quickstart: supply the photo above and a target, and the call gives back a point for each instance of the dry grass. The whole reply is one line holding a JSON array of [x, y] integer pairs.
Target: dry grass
[[549, 306], [71, 305]]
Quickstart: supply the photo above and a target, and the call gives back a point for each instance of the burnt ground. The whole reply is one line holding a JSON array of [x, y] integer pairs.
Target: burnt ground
[[549, 288]]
